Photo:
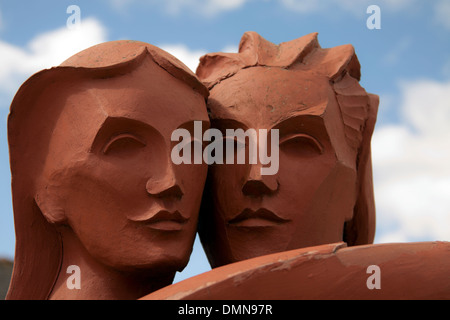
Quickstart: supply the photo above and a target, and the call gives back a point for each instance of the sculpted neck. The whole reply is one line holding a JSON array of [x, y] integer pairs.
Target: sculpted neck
[[97, 281]]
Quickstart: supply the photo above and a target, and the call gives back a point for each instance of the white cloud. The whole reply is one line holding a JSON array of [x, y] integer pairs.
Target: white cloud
[[231, 48], [189, 57], [412, 167], [46, 50], [53, 47]]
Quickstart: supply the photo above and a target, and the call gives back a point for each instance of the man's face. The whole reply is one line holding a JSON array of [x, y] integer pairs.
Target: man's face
[[313, 193]]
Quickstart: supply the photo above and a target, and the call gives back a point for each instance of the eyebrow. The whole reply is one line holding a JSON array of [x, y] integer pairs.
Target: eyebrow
[[310, 124], [305, 123], [117, 125], [223, 124]]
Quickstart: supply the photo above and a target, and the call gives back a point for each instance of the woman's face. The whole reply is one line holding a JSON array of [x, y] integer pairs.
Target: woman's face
[[313, 193], [110, 173]]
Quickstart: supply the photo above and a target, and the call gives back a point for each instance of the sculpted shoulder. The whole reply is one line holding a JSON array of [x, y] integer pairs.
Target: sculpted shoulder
[[333, 271]]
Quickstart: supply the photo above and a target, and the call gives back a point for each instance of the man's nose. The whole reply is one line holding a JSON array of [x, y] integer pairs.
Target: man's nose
[[259, 185]]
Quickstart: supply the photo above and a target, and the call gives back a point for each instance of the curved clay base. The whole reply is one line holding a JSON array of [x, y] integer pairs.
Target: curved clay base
[[334, 271]]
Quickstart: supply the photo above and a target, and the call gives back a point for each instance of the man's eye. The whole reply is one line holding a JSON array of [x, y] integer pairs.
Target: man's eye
[[301, 145], [123, 143], [233, 148]]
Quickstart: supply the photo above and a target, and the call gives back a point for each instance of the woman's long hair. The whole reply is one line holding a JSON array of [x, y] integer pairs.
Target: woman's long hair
[[38, 252]]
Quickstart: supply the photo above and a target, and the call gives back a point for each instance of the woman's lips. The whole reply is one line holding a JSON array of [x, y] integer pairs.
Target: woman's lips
[[164, 220], [256, 219]]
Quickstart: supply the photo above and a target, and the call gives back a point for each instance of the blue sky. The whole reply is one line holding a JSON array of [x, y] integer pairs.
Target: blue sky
[[406, 62]]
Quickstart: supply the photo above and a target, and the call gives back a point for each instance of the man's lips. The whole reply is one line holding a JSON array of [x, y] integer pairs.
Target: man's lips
[[256, 219], [163, 220]]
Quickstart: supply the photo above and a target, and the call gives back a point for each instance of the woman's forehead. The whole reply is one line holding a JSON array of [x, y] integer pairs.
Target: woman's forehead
[[155, 98], [88, 107]]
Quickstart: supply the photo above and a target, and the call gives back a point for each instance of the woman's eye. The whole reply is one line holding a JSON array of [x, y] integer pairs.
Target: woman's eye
[[123, 144], [190, 150], [301, 145], [197, 147]]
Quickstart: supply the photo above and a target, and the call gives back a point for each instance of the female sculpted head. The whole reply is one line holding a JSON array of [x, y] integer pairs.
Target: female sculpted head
[[322, 192], [92, 179]]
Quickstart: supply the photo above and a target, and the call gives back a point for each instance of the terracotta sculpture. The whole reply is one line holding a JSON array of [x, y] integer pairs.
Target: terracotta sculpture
[[95, 187], [393, 271], [286, 236], [92, 180], [320, 202], [322, 192]]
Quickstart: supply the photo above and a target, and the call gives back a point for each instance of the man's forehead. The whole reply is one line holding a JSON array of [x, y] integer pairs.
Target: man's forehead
[[269, 95]]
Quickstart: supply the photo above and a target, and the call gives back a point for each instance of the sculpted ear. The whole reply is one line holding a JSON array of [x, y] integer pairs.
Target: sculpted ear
[[50, 207], [361, 229]]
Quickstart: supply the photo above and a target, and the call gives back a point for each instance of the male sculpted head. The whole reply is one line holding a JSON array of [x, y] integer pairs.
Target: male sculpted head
[[92, 177], [322, 192]]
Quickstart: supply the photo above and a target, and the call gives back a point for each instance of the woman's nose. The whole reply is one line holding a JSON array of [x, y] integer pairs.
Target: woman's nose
[[166, 186]]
